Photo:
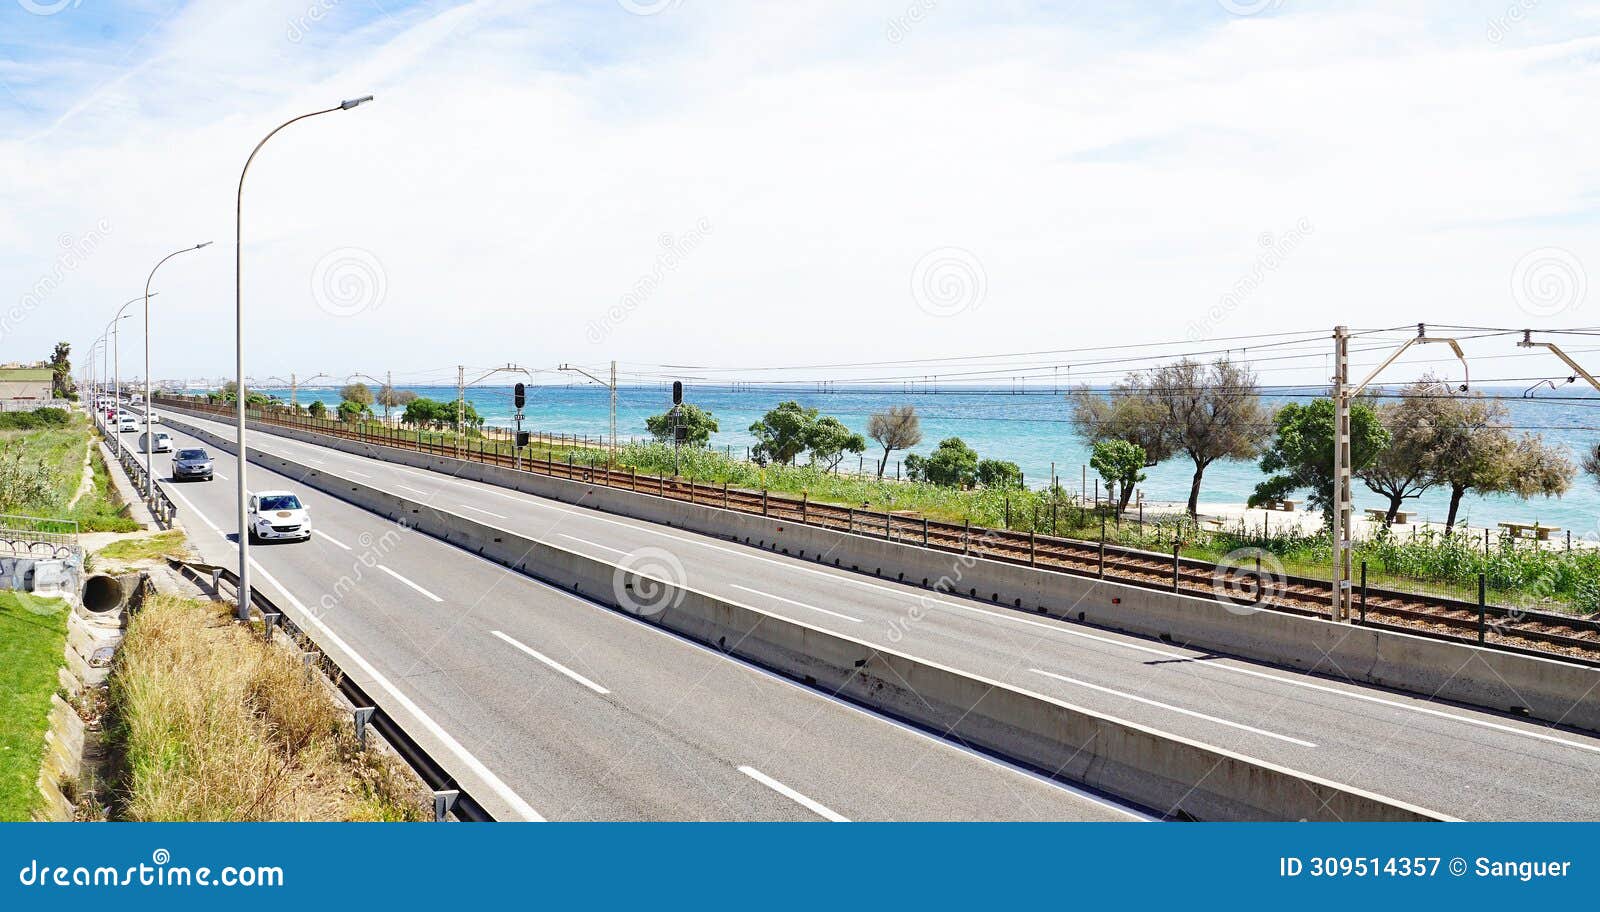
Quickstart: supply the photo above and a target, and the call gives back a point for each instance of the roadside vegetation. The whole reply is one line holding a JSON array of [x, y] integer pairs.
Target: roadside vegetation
[[136, 550], [41, 465], [212, 723], [33, 637]]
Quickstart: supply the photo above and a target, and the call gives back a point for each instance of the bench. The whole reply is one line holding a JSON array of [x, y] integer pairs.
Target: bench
[[1402, 517], [1522, 530]]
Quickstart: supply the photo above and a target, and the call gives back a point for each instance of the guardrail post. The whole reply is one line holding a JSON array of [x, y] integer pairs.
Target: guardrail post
[[269, 620], [443, 801], [361, 715], [1483, 609]]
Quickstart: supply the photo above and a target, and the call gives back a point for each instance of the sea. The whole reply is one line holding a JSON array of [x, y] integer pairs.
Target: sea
[[1030, 427]]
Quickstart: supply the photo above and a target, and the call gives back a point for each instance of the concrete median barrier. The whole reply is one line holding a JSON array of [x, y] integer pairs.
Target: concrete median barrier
[[1172, 775], [1541, 688]]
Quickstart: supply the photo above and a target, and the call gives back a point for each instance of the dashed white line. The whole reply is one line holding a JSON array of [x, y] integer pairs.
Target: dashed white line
[[552, 663], [415, 491], [779, 598], [319, 532], [593, 544], [1168, 706], [484, 512], [409, 583], [789, 793]]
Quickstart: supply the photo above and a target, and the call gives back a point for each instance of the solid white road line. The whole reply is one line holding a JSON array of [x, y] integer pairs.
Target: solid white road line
[[409, 583], [779, 598], [358, 474], [323, 534], [415, 491], [1168, 706], [593, 544], [484, 512], [552, 663], [494, 782], [792, 795]]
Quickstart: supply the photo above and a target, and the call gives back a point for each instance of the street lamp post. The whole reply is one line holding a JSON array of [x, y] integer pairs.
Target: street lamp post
[[115, 327], [149, 445], [243, 610]]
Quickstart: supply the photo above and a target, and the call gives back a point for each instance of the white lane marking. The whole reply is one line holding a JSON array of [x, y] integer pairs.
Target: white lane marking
[[409, 583], [415, 491], [357, 474], [552, 663], [484, 512], [792, 795], [196, 511], [1168, 706], [593, 544], [330, 538], [219, 475], [1062, 628], [495, 783], [779, 598]]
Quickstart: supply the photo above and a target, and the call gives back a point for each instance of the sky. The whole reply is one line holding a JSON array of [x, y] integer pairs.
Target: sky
[[688, 182]]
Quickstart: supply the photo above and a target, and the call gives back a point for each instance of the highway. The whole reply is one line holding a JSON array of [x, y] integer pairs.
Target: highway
[[577, 712], [1457, 761]]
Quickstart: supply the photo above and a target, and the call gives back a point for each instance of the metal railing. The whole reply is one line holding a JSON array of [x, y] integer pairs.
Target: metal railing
[[37, 536]]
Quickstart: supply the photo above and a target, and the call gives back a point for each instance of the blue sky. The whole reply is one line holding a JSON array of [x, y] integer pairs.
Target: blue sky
[[542, 182]]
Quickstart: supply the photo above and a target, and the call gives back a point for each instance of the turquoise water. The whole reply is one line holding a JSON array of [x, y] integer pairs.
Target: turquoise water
[[1031, 430]]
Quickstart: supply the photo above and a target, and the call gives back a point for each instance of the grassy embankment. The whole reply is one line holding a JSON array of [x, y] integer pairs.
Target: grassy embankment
[[44, 465], [33, 635], [212, 723]]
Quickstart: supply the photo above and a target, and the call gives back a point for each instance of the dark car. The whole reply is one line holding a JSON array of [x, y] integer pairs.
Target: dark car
[[191, 464]]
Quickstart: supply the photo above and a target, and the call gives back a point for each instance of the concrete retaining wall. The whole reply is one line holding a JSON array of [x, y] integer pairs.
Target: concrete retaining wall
[[1171, 774], [1541, 688]]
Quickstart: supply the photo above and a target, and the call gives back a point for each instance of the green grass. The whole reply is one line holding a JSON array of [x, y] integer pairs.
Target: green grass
[[32, 647], [154, 547], [62, 449]]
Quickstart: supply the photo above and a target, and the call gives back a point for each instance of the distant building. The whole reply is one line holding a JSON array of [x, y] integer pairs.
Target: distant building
[[22, 383]]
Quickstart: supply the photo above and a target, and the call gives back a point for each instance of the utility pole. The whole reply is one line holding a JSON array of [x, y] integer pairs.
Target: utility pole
[[461, 394], [294, 401], [1340, 610]]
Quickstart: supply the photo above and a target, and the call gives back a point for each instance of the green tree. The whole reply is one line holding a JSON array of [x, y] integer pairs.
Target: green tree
[[1409, 464], [422, 412], [352, 411], [1122, 465], [829, 440], [1478, 453], [697, 423], [357, 392], [61, 385], [783, 433], [952, 464], [316, 409], [1301, 453], [391, 398], [897, 428], [1209, 412], [1591, 463], [998, 473]]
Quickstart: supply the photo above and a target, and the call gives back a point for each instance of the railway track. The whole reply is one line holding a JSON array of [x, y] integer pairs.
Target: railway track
[[1497, 626]]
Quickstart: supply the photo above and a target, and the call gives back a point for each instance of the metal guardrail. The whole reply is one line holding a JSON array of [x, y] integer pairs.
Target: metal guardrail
[[160, 505], [449, 796]]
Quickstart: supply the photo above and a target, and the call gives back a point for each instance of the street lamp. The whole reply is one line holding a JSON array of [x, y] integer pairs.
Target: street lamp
[[149, 445], [238, 346], [115, 328]]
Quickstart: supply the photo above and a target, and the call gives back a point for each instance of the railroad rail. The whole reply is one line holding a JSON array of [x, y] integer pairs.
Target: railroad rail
[[1496, 626]]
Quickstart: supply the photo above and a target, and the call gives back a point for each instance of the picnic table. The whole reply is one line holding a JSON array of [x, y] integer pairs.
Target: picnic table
[[1522, 530], [1379, 515]]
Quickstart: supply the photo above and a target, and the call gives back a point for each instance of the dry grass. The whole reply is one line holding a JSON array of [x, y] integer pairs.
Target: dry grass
[[213, 724], [147, 548]]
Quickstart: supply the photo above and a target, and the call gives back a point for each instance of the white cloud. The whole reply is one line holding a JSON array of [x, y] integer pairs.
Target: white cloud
[[523, 160]]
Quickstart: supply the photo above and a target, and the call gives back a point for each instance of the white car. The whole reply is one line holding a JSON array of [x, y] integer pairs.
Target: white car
[[126, 423], [162, 442], [278, 516]]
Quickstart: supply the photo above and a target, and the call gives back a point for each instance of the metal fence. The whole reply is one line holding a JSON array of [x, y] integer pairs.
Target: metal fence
[[35, 536], [160, 505]]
